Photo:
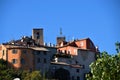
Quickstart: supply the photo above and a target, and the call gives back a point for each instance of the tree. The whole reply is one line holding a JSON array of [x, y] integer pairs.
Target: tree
[[117, 44], [35, 75], [10, 73], [106, 67]]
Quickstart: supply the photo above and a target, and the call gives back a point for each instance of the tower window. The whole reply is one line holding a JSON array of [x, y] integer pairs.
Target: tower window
[[38, 35]]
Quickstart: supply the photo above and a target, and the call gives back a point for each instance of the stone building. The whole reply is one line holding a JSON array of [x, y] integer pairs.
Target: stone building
[[65, 61], [74, 58]]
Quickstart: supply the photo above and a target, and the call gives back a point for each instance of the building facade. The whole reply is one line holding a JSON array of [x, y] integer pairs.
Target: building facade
[[18, 57], [65, 61], [74, 58]]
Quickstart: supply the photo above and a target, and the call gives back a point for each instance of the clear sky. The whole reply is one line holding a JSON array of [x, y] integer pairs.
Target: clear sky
[[97, 19]]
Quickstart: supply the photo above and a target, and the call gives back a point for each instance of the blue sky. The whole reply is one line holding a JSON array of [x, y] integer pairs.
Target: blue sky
[[97, 19]]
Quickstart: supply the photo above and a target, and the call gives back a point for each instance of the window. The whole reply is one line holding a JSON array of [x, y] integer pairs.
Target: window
[[75, 51], [38, 52], [65, 51], [38, 35], [14, 51], [45, 52], [83, 66], [72, 77], [22, 61], [45, 60], [76, 62], [58, 51], [14, 61], [24, 51], [38, 60], [77, 70], [3, 52], [81, 44], [78, 78], [91, 45], [68, 52]]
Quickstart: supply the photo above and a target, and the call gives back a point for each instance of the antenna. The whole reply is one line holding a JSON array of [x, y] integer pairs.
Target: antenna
[[60, 31]]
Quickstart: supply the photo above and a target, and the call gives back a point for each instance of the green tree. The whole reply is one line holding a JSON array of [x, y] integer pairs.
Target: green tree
[[10, 73], [117, 44], [35, 75], [106, 67]]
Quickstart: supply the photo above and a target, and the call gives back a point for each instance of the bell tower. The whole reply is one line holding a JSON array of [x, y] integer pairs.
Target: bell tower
[[61, 38], [37, 35]]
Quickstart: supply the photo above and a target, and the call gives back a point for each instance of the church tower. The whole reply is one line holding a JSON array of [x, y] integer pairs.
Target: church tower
[[37, 35], [61, 38]]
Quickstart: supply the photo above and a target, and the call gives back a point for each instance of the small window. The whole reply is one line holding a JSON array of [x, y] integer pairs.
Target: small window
[[81, 44], [3, 52], [76, 62], [58, 51], [45, 53], [72, 77], [68, 52], [38, 52], [38, 35], [83, 66], [14, 51], [78, 78], [77, 70], [38, 60], [24, 51], [65, 52], [22, 61], [14, 61], [45, 60]]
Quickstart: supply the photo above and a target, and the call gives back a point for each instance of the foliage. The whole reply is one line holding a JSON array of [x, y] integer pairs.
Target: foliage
[[3, 65], [117, 44], [106, 67], [35, 75], [10, 73]]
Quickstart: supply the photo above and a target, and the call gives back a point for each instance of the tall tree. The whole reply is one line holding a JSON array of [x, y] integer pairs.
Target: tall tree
[[106, 67], [117, 44]]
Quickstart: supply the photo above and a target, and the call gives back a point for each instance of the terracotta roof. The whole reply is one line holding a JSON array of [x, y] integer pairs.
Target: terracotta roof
[[72, 43]]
